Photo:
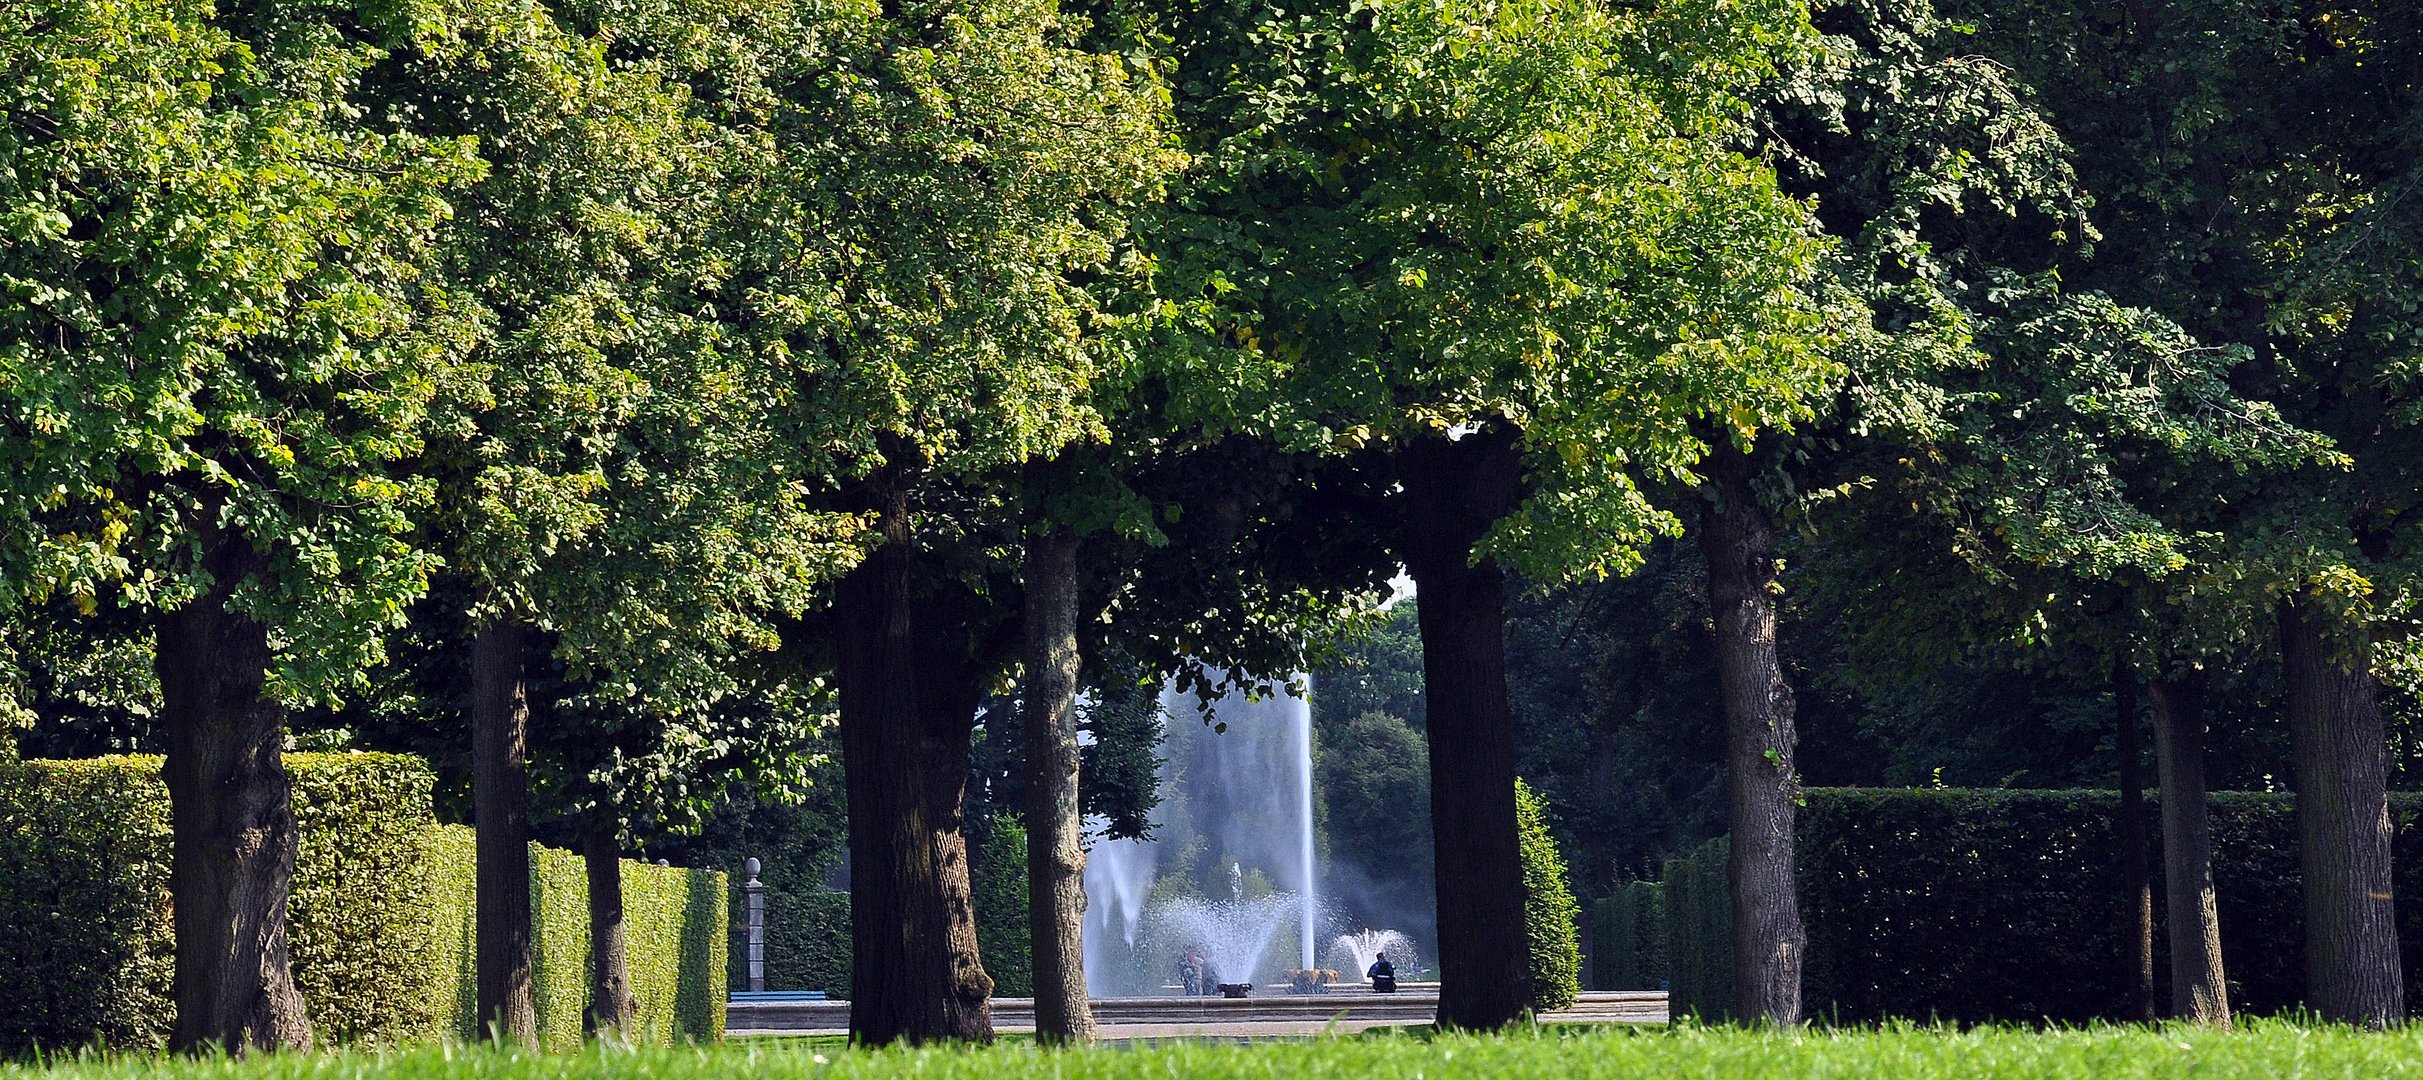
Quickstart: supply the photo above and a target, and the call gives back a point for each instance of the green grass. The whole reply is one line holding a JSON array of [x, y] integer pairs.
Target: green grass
[[2264, 1049]]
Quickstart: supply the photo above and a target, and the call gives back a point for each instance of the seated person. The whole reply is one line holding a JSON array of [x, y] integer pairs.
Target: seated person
[[1191, 972], [1383, 975]]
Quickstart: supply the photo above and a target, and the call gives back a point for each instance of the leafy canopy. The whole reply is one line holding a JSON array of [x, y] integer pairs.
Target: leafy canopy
[[1410, 218]]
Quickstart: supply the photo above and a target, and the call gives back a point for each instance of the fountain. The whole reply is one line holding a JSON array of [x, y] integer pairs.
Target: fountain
[[1235, 936], [1355, 952], [1232, 861]]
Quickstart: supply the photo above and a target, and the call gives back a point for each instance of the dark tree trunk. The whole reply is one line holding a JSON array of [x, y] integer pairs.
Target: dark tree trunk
[[2199, 992], [1055, 843], [905, 980], [231, 814], [612, 1010], [2340, 749], [2136, 877], [951, 685], [1738, 537], [1455, 491], [500, 809]]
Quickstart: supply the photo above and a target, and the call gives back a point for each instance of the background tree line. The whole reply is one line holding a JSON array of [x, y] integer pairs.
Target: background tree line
[[605, 401]]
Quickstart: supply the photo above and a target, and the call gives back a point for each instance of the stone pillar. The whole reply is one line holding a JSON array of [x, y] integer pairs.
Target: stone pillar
[[755, 891]]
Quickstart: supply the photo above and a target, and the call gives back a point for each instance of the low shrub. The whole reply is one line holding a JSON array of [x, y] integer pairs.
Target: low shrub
[[1551, 918], [379, 920]]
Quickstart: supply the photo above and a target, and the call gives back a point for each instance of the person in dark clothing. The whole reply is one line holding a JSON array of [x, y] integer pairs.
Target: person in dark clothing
[[1191, 971], [1383, 975]]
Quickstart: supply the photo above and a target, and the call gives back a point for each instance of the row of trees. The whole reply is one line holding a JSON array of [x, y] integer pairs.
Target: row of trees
[[674, 372], [2126, 418], [2177, 453]]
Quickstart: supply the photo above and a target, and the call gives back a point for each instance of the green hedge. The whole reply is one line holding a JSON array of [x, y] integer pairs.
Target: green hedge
[[380, 918], [1978, 905], [1002, 934], [1551, 918], [674, 929], [1629, 927], [85, 948], [807, 935], [1698, 957]]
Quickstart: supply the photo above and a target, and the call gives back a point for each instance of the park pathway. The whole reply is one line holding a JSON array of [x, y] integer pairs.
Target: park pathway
[[1274, 1016]]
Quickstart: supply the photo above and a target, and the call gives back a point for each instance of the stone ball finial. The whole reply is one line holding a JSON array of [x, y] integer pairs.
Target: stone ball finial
[[751, 867]]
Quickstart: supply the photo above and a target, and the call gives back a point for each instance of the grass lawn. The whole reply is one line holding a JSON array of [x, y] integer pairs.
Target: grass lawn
[[2263, 1049]]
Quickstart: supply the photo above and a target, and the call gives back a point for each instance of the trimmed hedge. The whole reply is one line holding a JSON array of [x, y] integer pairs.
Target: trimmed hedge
[[674, 929], [85, 948], [1979, 905], [807, 936], [1003, 937], [1551, 918], [1699, 934], [379, 921], [1629, 928]]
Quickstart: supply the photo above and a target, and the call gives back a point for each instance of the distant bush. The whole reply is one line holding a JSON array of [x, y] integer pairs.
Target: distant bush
[[379, 920], [807, 935], [1628, 928], [1698, 957], [1551, 918], [1002, 932], [1977, 905]]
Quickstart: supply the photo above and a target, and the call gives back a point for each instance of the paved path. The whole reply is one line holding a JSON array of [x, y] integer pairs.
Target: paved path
[[1277, 1015]]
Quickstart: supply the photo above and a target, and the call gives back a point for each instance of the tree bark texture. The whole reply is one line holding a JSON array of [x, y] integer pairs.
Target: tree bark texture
[[612, 1010], [1737, 535], [2199, 990], [2136, 874], [950, 685], [500, 809], [231, 813], [2340, 750], [908, 981], [1055, 841], [1455, 491]]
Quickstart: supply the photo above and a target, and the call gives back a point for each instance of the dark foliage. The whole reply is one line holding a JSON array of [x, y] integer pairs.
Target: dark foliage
[[1981, 905]]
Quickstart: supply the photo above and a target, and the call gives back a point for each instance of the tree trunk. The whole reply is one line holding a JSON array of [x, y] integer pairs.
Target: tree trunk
[[2340, 750], [1738, 537], [951, 684], [500, 809], [612, 1010], [2136, 877], [902, 985], [231, 814], [2199, 992], [1055, 843], [1455, 491]]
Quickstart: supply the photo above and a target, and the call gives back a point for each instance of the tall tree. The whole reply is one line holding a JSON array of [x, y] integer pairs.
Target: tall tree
[[2043, 421], [2251, 161], [1208, 561], [1737, 534], [2199, 986], [1511, 250], [1055, 844], [611, 483], [938, 197], [200, 395], [2136, 880]]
